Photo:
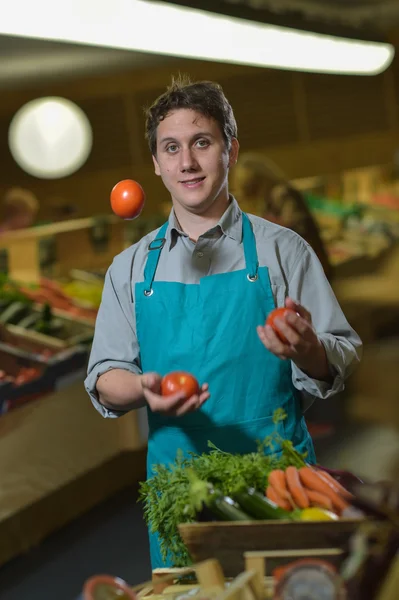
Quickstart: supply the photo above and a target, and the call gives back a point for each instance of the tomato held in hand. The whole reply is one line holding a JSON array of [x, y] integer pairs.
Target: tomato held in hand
[[279, 313], [179, 381], [127, 199]]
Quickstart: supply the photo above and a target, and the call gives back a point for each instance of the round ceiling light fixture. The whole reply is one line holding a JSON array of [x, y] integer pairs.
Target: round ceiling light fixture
[[50, 137]]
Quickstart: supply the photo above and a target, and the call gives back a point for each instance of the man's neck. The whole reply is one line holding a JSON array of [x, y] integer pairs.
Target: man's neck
[[196, 225]]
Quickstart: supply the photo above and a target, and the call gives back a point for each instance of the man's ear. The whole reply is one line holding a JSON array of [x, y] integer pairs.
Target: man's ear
[[233, 154], [156, 165]]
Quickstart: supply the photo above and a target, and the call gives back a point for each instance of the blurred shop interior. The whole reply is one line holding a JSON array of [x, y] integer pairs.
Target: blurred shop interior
[[65, 473]]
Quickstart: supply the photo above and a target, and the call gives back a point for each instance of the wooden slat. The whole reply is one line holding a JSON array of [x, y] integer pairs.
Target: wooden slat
[[229, 541]]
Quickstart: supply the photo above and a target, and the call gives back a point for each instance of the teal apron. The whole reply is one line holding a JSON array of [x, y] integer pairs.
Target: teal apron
[[209, 330]]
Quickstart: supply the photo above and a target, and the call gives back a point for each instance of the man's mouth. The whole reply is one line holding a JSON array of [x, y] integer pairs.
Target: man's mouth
[[192, 182]]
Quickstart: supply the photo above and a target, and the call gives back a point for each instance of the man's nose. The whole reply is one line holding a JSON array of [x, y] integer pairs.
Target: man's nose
[[188, 161]]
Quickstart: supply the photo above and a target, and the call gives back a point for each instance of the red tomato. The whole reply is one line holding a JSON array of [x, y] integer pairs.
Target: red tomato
[[279, 313], [127, 199], [106, 586], [179, 381]]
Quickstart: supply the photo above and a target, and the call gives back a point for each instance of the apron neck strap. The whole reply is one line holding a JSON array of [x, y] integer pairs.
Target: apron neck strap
[[155, 249], [154, 252], [250, 252]]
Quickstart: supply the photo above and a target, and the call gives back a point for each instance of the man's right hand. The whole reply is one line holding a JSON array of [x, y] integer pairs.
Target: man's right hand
[[174, 405]]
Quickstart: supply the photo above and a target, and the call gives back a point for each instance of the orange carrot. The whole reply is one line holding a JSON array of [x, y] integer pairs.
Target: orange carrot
[[296, 488], [318, 499], [278, 480], [277, 499], [311, 480], [337, 487]]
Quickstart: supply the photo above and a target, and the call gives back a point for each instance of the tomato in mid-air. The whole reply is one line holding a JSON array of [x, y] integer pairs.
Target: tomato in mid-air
[[279, 313], [179, 381], [127, 199]]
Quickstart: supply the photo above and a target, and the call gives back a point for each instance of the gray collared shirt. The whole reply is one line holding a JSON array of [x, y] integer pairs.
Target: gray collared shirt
[[294, 271]]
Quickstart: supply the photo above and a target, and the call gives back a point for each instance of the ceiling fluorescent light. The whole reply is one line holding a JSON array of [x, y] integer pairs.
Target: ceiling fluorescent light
[[167, 29]]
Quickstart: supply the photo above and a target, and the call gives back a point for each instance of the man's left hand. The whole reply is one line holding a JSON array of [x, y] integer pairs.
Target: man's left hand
[[303, 346]]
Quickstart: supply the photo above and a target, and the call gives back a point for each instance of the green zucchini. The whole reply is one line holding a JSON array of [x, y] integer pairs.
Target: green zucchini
[[225, 509], [14, 312], [29, 321], [259, 506], [4, 302]]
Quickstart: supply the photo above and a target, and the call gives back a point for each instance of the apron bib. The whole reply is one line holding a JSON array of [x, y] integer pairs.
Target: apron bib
[[209, 330]]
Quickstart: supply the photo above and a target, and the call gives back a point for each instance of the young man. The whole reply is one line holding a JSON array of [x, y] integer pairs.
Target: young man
[[194, 296]]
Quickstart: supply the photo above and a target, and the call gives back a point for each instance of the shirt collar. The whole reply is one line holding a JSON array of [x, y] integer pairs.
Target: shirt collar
[[230, 224], [231, 221]]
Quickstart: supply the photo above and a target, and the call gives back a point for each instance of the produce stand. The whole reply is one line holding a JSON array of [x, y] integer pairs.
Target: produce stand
[[58, 456], [57, 248], [28, 378], [290, 574], [350, 563], [323, 525]]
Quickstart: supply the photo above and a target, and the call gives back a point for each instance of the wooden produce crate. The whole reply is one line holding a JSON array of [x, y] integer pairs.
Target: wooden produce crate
[[230, 541], [79, 331], [35, 344], [305, 573]]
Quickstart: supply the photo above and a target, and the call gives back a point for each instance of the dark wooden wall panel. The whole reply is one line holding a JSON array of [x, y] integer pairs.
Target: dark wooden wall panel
[[339, 106], [264, 107]]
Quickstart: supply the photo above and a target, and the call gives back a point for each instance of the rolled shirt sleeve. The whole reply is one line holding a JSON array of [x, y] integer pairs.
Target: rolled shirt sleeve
[[309, 286], [115, 344]]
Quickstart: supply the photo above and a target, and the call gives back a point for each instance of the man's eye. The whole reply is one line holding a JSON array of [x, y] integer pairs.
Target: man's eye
[[202, 143], [172, 148]]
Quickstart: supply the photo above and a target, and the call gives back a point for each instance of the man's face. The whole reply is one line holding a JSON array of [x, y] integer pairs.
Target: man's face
[[21, 217], [193, 160]]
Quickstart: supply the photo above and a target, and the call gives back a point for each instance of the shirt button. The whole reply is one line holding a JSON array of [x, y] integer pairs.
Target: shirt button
[[200, 254]]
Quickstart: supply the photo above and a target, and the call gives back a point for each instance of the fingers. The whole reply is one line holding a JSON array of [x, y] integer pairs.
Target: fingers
[[272, 342], [297, 331], [163, 404], [192, 404], [175, 404], [151, 381], [301, 310]]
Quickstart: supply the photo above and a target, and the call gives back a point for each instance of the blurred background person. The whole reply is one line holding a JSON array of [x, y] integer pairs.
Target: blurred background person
[[19, 209], [261, 187]]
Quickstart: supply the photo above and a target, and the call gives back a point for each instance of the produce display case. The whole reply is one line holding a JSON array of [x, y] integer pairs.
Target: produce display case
[[58, 457], [26, 376], [55, 249], [67, 331]]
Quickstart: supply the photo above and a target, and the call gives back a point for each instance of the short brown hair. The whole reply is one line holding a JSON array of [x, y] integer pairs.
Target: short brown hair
[[205, 97], [17, 198]]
